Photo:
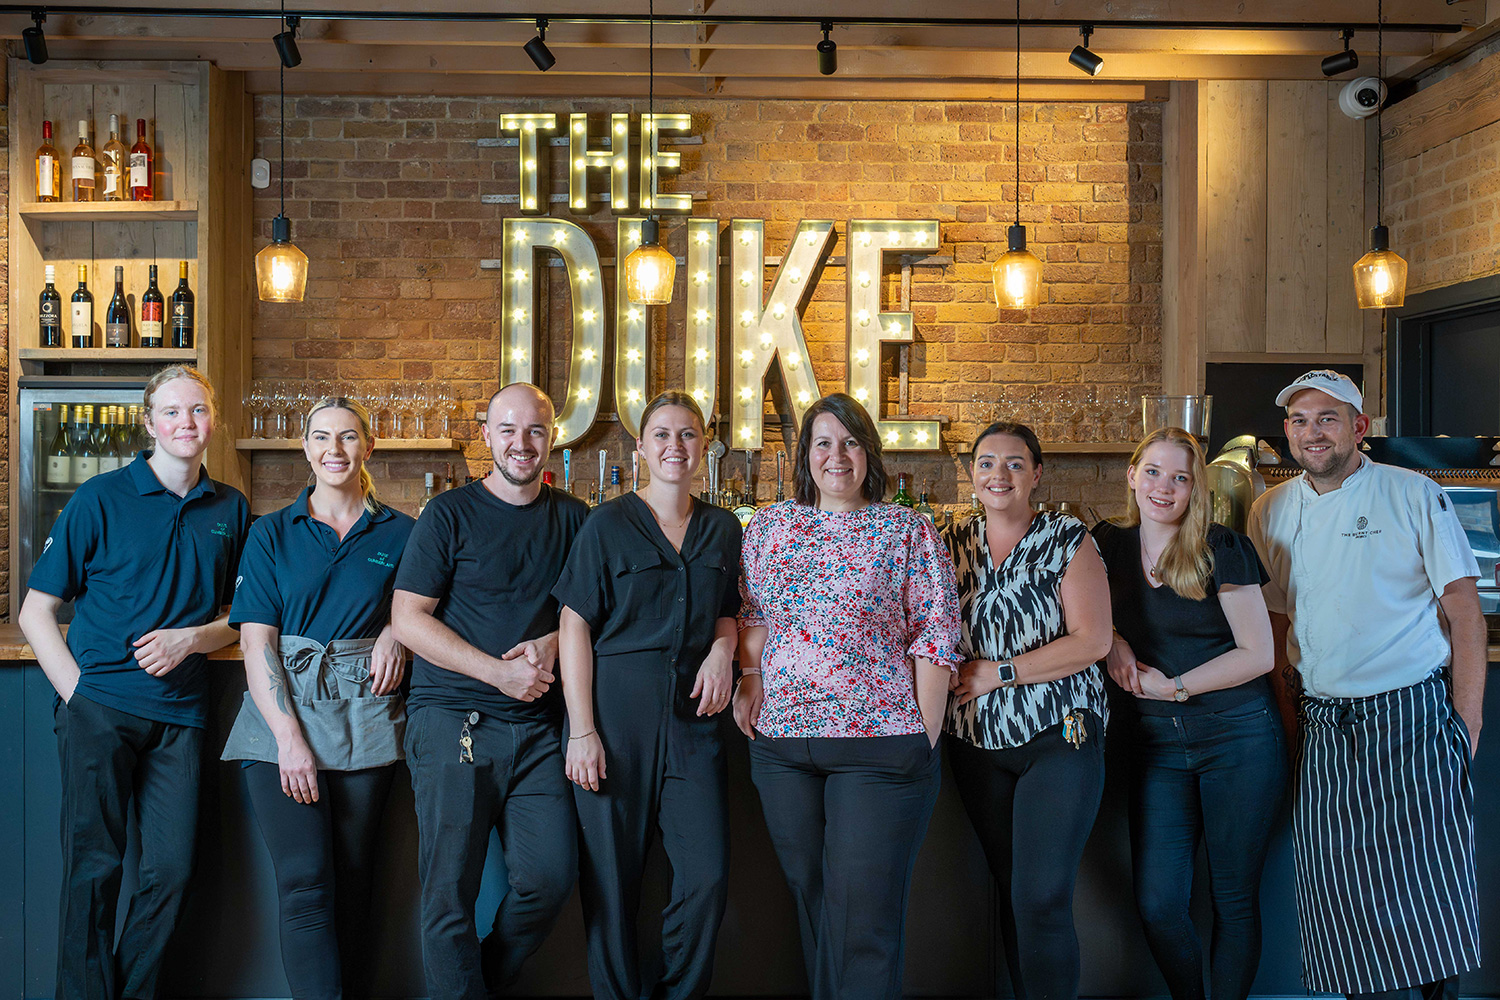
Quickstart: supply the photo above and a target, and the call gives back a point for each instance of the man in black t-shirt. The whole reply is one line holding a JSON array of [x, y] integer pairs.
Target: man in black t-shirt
[[473, 602]]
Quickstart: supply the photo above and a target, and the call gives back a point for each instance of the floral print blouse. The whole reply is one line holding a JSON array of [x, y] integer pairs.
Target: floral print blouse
[[848, 599]]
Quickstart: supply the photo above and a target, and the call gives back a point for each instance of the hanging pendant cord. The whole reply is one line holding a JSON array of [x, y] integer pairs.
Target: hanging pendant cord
[[651, 76], [1018, 112], [282, 168]]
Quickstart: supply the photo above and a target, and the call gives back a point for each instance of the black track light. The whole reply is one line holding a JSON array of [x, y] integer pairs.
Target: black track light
[[1082, 58], [34, 40], [1342, 62], [286, 44], [537, 47], [828, 51]]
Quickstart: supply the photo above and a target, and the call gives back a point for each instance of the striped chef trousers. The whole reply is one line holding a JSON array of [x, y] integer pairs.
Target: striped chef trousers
[[1383, 832]]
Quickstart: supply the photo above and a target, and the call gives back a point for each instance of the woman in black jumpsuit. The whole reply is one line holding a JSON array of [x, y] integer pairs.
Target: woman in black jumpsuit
[[647, 637]]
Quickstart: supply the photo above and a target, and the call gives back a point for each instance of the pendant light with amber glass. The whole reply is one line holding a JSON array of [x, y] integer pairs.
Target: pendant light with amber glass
[[280, 267], [1018, 273], [1380, 275], [650, 271]]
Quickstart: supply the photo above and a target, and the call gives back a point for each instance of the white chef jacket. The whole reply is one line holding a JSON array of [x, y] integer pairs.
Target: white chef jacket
[[1359, 570]]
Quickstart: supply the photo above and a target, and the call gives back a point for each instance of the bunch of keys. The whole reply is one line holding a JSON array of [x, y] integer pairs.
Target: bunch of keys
[[466, 741], [1073, 728]]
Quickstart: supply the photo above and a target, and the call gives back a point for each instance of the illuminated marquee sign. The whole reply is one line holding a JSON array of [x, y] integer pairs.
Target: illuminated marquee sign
[[765, 329]]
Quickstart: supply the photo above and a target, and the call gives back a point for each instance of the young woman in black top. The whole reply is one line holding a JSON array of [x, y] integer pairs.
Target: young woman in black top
[[646, 642], [1191, 650]]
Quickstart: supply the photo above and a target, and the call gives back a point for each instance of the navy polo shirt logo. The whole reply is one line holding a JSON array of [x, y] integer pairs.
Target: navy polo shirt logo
[[237, 581], [222, 530], [382, 559], [47, 545]]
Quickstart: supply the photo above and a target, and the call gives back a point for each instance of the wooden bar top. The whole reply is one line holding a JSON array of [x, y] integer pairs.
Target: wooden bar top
[[15, 649]]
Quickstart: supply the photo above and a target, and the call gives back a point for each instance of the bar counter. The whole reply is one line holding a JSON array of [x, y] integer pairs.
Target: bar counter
[[227, 941]]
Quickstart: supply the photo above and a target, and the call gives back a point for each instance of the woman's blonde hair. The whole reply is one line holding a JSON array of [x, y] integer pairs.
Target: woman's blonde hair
[[1187, 563], [366, 482]]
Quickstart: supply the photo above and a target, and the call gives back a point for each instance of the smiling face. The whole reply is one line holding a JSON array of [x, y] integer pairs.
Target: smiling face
[[336, 446], [1162, 482], [837, 463], [518, 430], [1004, 473], [1324, 434], [671, 444], [181, 419]]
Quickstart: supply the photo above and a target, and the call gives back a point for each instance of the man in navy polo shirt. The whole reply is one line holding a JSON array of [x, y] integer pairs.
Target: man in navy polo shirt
[[474, 602], [148, 555]]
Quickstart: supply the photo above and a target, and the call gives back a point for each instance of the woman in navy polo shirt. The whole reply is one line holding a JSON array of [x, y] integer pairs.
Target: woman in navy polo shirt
[[146, 554], [645, 649], [321, 727]]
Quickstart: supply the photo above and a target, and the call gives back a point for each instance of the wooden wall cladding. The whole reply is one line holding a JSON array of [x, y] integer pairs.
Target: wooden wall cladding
[[1284, 206]]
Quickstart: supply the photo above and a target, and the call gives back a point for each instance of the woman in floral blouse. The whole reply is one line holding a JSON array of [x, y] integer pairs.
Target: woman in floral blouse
[[847, 638], [1027, 722]]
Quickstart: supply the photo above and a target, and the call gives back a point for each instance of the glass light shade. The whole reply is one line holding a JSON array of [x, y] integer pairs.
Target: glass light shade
[[1380, 275], [281, 268], [650, 271], [1017, 274]]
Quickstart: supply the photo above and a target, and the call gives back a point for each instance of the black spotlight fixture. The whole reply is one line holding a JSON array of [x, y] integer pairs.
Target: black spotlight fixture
[[286, 44], [537, 47], [828, 51], [1082, 58], [1342, 62], [34, 40]]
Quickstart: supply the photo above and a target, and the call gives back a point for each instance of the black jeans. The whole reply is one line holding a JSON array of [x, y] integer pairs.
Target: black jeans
[[323, 855], [1218, 778], [515, 783], [846, 818], [113, 765], [1033, 807]]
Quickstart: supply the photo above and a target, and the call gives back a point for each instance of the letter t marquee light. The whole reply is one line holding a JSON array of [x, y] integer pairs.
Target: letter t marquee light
[[869, 327]]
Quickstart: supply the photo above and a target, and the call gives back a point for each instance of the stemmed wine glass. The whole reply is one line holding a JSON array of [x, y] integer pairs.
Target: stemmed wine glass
[[257, 401], [279, 396], [443, 400]]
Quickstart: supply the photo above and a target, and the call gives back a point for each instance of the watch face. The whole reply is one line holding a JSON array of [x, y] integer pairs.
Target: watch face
[[1181, 694]]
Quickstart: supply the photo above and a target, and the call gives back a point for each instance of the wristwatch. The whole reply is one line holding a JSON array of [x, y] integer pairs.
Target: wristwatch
[[1181, 694], [1007, 671]]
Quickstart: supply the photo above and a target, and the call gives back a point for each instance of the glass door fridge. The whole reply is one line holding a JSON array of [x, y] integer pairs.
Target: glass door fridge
[[56, 457]]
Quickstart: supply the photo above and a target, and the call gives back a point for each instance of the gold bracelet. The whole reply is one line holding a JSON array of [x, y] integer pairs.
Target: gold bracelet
[[591, 732]]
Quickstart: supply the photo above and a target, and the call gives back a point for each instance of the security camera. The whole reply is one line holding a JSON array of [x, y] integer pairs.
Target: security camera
[[1363, 97]]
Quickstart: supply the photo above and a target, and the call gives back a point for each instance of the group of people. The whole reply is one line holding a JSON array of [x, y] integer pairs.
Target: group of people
[[568, 668]]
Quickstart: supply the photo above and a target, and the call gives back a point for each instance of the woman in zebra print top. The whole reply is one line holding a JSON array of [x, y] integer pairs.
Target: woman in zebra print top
[[1026, 723]]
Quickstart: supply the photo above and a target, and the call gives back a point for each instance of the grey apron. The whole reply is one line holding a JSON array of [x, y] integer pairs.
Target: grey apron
[[347, 727]]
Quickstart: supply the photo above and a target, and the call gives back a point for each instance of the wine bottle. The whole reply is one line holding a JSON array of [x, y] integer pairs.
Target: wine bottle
[[48, 168], [902, 497], [135, 433], [85, 460], [117, 316], [49, 309], [82, 321], [142, 165], [182, 312], [925, 509], [427, 478], [152, 309], [448, 476], [60, 453], [104, 440], [84, 166], [112, 159]]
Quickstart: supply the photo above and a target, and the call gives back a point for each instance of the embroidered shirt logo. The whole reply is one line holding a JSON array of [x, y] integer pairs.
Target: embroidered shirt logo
[[382, 559], [1361, 524], [47, 545], [237, 581], [222, 529], [1362, 529]]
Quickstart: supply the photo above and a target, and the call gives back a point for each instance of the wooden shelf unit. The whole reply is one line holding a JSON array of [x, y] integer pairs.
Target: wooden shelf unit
[[199, 124]]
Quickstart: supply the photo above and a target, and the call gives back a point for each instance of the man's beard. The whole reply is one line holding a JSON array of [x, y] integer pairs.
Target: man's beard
[[515, 480]]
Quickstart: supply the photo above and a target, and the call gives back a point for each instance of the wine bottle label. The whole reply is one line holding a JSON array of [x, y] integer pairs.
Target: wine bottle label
[[57, 469], [83, 170], [151, 326], [111, 179], [139, 170], [116, 334], [182, 326], [82, 325], [46, 167], [108, 463], [84, 467]]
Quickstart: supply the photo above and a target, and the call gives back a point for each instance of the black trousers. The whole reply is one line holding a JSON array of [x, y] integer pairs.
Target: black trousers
[[515, 783], [116, 765], [323, 854], [846, 818], [1443, 989], [664, 772], [1033, 807]]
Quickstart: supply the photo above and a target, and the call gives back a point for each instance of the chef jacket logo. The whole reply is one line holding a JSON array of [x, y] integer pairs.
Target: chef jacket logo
[[1361, 524], [1362, 529]]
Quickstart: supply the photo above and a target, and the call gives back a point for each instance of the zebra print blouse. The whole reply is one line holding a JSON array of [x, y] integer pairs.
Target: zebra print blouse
[[1008, 610]]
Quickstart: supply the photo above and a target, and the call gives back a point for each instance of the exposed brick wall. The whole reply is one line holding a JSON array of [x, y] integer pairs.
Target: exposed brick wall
[[1441, 207], [384, 195]]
